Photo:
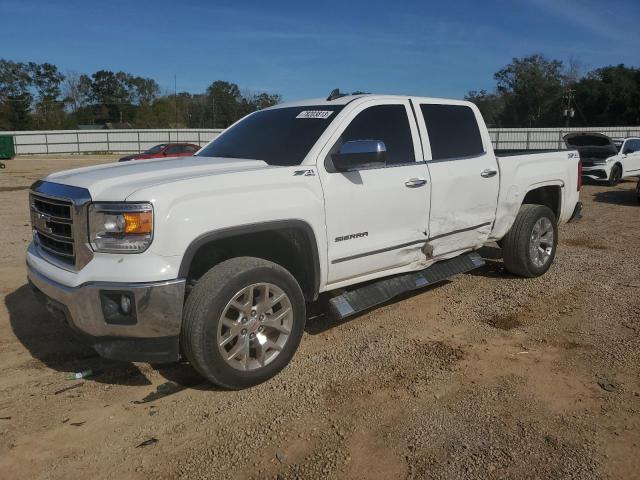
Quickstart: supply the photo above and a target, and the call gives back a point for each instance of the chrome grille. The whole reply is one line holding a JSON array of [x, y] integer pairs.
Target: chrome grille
[[59, 221], [52, 222]]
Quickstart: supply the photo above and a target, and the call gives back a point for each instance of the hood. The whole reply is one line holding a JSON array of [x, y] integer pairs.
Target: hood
[[116, 181], [591, 145]]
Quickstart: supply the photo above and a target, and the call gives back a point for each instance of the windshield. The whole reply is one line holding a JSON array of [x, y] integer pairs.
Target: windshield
[[156, 149], [281, 136]]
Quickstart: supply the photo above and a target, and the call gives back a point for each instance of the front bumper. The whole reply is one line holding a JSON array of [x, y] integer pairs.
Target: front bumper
[[597, 172], [154, 337]]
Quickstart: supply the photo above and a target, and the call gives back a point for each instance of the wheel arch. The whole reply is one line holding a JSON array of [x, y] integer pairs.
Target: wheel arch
[[547, 195], [618, 163], [290, 243]]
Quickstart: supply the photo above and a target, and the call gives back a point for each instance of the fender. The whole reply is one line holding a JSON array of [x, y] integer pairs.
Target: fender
[[213, 235]]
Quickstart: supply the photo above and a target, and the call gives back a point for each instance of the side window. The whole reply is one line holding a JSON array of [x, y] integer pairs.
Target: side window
[[189, 149], [174, 150], [388, 123], [453, 131]]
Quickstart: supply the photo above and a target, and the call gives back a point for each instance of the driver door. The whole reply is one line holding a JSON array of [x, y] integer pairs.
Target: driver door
[[377, 216]]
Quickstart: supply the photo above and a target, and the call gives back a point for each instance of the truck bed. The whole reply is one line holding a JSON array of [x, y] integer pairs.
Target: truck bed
[[514, 152]]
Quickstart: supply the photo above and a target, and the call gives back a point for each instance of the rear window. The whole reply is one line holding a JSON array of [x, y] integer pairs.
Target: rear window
[[282, 136], [453, 131], [156, 149]]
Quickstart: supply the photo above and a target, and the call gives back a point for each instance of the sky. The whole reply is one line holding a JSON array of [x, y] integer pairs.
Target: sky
[[304, 49]]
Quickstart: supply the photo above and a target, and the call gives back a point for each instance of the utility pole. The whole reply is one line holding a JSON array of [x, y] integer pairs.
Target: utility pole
[[569, 112], [175, 96]]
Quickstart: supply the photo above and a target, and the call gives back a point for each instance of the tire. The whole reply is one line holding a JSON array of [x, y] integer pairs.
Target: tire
[[638, 191], [615, 176], [213, 325], [518, 245]]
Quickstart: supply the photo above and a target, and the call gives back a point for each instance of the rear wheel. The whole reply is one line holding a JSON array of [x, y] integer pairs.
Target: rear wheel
[[616, 175], [530, 246], [243, 322]]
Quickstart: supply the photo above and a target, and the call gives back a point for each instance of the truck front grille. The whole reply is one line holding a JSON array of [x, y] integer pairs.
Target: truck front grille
[[59, 222], [52, 222]]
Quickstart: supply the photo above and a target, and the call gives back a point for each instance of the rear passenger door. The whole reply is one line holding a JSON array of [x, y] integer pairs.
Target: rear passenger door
[[464, 175], [376, 218]]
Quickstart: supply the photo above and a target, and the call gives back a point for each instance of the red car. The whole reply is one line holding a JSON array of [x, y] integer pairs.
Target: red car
[[164, 150]]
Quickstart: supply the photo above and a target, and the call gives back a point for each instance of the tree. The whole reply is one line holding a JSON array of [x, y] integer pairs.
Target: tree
[[145, 90], [610, 96], [264, 100], [491, 105], [225, 100], [15, 96], [46, 81], [36, 95], [532, 89], [77, 90]]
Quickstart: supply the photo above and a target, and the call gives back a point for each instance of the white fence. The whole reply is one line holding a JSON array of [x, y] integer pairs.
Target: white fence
[[111, 141], [124, 141], [548, 138]]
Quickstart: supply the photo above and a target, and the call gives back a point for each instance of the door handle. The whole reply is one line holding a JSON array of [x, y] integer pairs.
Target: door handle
[[488, 173], [415, 182]]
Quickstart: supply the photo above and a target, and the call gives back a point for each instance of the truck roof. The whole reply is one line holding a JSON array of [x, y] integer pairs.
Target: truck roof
[[348, 98]]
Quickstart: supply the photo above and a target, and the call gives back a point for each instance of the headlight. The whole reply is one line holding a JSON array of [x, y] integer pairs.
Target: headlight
[[610, 159], [120, 227]]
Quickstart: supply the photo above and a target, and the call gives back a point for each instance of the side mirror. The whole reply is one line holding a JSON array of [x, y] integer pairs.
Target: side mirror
[[360, 154]]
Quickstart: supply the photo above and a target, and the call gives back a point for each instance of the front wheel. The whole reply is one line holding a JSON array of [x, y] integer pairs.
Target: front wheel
[[243, 322], [530, 246], [615, 176]]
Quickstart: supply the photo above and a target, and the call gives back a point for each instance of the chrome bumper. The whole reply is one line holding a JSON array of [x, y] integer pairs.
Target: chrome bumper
[[153, 337]]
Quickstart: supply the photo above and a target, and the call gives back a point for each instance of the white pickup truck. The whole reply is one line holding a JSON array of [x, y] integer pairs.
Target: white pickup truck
[[214, 257]]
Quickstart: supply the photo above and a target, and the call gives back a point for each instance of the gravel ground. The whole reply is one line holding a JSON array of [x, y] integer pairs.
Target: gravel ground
[[484, 376]]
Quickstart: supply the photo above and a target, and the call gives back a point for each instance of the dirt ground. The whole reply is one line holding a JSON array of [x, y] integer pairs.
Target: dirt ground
[[484, 376]]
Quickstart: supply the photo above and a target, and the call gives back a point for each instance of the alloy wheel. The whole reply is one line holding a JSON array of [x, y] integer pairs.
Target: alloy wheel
[[255, 326]]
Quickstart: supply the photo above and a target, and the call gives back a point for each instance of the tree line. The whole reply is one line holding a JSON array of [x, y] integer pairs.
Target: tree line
[[531, 91], [39, 97], [535, 91]]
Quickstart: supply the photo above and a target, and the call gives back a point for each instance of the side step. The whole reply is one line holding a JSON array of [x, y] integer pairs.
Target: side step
[[363, 298]]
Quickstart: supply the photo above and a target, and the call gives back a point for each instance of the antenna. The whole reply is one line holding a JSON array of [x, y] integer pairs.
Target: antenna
[[335, 93]]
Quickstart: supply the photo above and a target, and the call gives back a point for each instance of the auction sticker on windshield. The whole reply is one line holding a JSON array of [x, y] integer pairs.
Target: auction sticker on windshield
[[315, 114]]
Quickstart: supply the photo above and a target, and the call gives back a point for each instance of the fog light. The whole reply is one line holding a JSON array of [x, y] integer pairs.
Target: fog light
[[118, 308], [125, 304]]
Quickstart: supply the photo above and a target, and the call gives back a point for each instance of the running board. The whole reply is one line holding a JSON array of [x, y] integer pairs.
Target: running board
[[363, 298]]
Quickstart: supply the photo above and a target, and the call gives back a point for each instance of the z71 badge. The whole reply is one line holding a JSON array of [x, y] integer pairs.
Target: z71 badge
[[352, 236]]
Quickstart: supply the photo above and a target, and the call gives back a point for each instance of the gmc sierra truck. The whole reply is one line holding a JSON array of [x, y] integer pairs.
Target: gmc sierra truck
[[213, 258]]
